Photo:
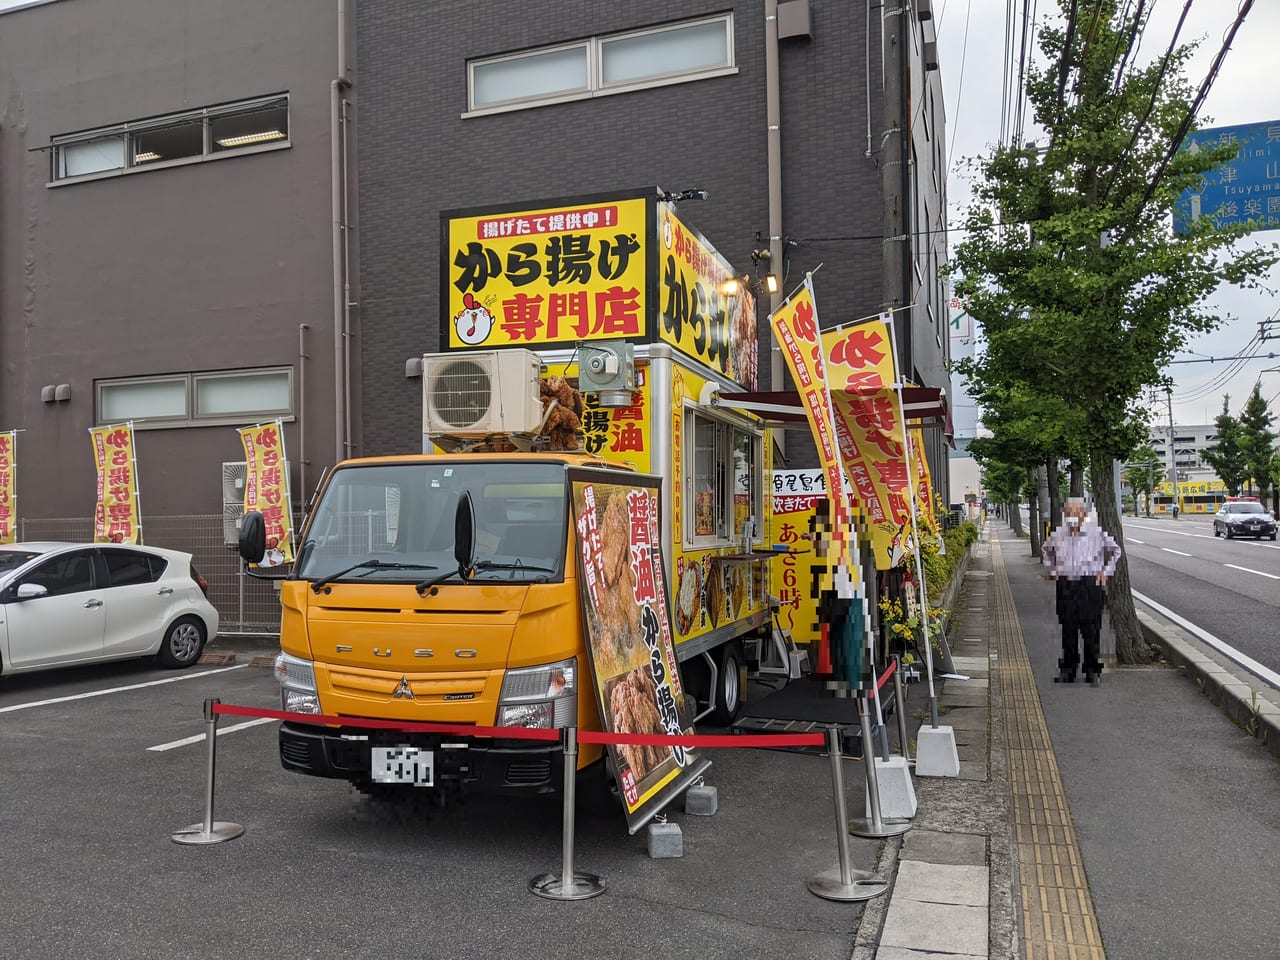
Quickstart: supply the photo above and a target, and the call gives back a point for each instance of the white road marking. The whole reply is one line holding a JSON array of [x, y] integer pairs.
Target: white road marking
[[1180, 533], [1136, 540], [1246, 661], [1178, 552], [132, 686], [1250, 570], [199, 737]]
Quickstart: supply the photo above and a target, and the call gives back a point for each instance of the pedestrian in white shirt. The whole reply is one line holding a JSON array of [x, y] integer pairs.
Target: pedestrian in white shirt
[[1081, 557]]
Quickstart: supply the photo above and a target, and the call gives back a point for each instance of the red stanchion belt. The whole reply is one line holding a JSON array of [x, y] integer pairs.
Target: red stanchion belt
[[526, 733], [884, 677]]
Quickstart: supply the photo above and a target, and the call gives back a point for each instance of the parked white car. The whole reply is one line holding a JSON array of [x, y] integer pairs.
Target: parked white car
[[64, 604]]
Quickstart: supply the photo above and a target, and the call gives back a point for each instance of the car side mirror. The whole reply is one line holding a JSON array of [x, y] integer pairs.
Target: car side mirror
[[464, 533], [29, 591], [253, 537]]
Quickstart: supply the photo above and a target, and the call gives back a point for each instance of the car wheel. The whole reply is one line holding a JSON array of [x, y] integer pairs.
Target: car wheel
[[728, 692], [183, 642]]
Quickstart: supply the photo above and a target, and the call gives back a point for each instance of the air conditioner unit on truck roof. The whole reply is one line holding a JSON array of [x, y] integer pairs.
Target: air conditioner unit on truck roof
[[488, 391]]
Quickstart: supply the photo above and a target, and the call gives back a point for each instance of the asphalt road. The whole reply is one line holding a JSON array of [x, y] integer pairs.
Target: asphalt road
[[86, 813]]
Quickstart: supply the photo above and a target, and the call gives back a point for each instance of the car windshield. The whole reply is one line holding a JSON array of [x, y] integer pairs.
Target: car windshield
[[12, 559], [1246, 508], [395, 522]]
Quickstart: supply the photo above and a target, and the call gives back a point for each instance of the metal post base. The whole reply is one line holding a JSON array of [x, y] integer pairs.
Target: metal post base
[[863, 827], [584, 886], [862, 886], [222, 830]]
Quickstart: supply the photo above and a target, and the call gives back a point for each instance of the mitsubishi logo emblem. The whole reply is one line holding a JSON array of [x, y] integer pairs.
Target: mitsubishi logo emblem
[[403, 691]]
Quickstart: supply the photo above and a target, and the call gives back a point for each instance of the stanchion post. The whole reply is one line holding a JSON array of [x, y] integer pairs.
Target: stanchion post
[[844, 883], [900, 696], [569, 885], [210, 831], [874, 827]]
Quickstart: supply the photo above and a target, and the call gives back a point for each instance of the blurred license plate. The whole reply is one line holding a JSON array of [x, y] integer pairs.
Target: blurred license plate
[[403, 765]]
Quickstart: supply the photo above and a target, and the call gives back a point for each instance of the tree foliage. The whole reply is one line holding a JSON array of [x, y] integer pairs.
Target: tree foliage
[[1143, 474], [1068, 262], [1227, 456], [1257, 439]]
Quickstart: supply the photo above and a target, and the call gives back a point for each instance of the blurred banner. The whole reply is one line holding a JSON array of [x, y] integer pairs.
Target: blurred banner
[[8, 486], [117, 517], [266, 488]]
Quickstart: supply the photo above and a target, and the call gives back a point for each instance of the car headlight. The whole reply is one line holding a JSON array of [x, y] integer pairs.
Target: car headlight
[[297, 679], [545, 696]]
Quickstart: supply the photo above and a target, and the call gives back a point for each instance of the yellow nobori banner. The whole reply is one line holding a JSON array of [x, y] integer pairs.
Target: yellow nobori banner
[[550, 275], [266, 488], [117, 517], [8, 486]]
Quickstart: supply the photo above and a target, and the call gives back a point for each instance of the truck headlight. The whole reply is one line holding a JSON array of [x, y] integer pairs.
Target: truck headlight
[[297, 679], [545, 696]]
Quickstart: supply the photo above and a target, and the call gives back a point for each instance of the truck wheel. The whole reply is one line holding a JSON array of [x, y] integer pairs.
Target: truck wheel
[[728, 692]]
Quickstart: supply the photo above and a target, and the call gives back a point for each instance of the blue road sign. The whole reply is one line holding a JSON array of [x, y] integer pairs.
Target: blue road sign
[[1243, 190]]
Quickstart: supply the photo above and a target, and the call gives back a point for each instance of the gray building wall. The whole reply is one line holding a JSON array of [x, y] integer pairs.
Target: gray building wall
[[418, 156], [201, 267]]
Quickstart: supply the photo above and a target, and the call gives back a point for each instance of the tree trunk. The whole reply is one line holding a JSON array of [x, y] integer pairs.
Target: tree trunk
[[1077, 479], [1042, 478], [1131, 646], [1015, 518], [1055, 494], [1033, 511]]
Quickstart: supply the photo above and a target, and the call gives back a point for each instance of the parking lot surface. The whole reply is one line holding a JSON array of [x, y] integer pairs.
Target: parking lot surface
[[87, 808]]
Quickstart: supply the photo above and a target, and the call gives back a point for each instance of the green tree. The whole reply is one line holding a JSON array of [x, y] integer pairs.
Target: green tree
[[1068, 263], [1258, 440], [1142, 475], [1226, 456]]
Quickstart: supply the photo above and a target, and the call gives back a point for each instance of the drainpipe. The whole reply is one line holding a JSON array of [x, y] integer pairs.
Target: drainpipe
[[892, 165], [302, 408], [337, 173], [773, 120]]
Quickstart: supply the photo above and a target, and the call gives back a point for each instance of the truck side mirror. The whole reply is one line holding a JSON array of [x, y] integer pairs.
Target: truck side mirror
[[464, 533], [253, 537]]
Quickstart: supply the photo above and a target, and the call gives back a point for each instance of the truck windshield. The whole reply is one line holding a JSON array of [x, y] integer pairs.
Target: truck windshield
[[402, 515]]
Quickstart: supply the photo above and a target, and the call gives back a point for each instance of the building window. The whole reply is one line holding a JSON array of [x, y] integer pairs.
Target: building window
[[247, 126], [598, 66], [723, 480], [197, 399]]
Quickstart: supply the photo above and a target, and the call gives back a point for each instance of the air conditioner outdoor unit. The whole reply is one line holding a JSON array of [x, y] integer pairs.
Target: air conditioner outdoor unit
[[489, 391], [233, 477]]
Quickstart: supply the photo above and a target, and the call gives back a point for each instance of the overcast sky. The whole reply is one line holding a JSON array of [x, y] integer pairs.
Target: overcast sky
[[1245, 91]]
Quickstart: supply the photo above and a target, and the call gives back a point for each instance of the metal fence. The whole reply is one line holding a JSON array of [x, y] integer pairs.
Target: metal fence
[[244, 605]]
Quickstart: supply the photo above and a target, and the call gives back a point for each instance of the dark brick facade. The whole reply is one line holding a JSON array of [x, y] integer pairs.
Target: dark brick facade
[[418, 156]]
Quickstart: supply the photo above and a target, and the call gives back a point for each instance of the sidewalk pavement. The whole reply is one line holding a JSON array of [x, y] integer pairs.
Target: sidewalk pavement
[[1130, 820]]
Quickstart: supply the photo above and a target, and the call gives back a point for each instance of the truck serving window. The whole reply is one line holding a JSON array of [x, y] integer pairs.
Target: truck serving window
[[723, 477], [402, 515]]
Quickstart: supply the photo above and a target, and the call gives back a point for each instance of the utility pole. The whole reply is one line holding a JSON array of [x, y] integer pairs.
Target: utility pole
[[1173, 459]]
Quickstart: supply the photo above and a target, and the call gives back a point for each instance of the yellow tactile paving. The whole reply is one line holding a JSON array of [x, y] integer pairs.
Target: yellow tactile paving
[[1058, 922]]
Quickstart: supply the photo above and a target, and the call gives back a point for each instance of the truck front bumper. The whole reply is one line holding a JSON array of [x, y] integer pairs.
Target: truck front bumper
[[520, 767]]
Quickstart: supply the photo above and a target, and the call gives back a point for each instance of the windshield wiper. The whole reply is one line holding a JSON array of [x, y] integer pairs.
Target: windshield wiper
[[370, 565], [515, 565]]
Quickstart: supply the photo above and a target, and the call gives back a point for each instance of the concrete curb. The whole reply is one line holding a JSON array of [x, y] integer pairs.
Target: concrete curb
[[1245, 699]]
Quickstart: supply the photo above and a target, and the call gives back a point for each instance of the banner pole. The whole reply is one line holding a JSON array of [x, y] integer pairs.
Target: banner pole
[[844, 883], [900, 695], [569, 885], [210, 831]]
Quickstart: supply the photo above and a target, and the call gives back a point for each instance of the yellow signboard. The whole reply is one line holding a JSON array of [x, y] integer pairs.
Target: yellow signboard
[[266, 489], [117, 517], [544, 276], [700, 317], [8, 493]]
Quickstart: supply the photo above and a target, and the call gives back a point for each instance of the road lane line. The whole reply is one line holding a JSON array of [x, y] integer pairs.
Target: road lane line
[[1178, 533], [1136, 540], [1246, 661], [1250, 570], [1179, 553], [199, 737], [132, 686]]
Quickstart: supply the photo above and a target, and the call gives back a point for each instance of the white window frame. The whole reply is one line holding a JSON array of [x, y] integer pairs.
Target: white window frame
[[724, 491], [204, 116], [191, 381], [596, 87]]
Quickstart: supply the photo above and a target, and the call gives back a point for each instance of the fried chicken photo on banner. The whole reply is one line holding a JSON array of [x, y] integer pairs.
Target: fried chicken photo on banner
[[619, 613], [633, 702]]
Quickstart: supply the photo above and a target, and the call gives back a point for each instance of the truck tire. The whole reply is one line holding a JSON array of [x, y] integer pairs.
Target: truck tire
[[728, 691]]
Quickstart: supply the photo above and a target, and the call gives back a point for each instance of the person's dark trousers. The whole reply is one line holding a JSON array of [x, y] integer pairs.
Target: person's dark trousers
[[1079, 604]]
